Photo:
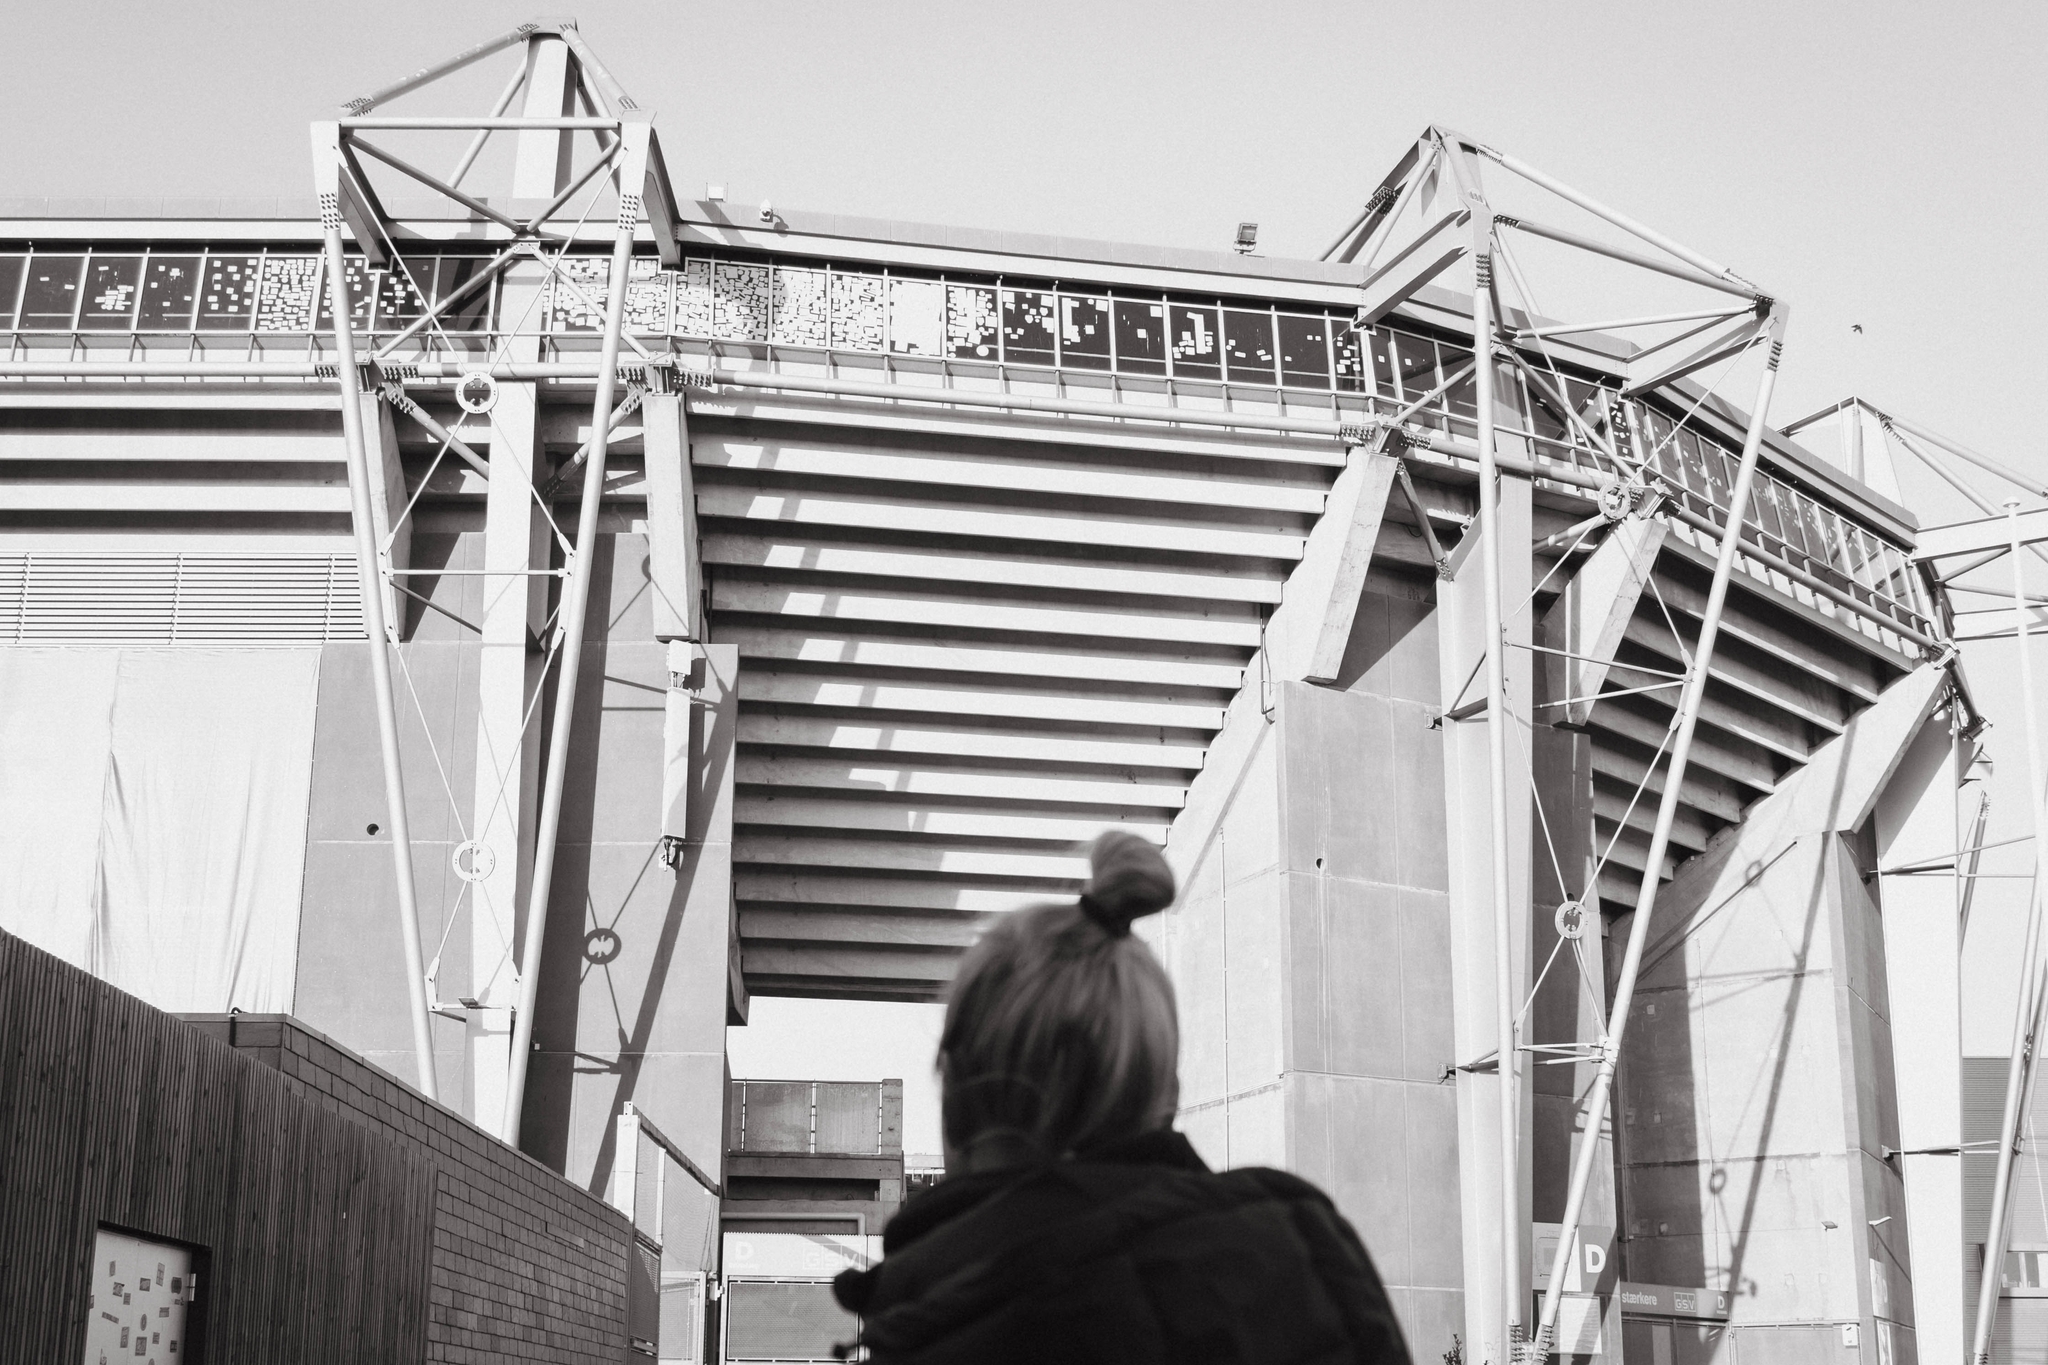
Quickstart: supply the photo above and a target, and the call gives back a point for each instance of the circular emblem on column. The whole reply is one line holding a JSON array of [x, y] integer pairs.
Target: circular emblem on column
[[474, 861], [1615, 501], [478, 392], [1571, 920]]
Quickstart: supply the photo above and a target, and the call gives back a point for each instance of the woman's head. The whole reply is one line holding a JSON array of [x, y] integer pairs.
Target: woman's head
[[1061, 1033]]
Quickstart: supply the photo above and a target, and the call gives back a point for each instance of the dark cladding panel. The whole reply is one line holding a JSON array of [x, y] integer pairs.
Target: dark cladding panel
[[1197, 343], [1462, 397], [399, 303], [1248, 340], [170, 287], [1379, 353], [1084, 332], [473, 314], [1304, 351], [1140, 336], [11, 271], [49, 302], [112, 285], [227, 300], [361, 282], [1028, 327], [1415, 362]]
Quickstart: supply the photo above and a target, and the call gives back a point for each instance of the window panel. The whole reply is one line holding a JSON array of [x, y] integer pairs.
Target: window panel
[[1248, 343], [739, 295], [694, 300], [1379, 353], [170, 287], [1347, 349], [112, 286], [1414, 365], [473, 314], [647, 303], [971, 322], [1304, 351], [1140, 336], [12, 268], [856, 311], [361, 283], [1462, 397], [1028, 327], [49, 302], [285, 299], [581, 308], [803, 313], [1544, 419], [227, 298], [1084, 332], [917, 316], [399, 302], [1197, 342]]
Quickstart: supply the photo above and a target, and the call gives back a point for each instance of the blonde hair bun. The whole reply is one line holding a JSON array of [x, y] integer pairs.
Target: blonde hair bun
[[1128, 880]]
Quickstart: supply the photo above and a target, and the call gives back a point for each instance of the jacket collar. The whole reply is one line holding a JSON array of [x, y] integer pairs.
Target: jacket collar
[[956, 1195]]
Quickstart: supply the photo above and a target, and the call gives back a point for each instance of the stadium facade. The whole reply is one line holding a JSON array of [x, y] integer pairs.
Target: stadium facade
[[916, 555]]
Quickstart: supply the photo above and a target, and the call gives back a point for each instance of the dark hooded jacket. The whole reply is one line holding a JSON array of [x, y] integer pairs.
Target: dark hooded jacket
[[1135, 1255]]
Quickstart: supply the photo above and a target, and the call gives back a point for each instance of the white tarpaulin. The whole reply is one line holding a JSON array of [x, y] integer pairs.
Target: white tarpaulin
[[56, 718], [155, 816]]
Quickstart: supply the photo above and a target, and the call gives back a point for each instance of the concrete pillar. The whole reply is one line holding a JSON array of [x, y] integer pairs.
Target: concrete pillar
[[1757, 1091], [540, 167], [640, 958], [508, 748], [1916, 823]]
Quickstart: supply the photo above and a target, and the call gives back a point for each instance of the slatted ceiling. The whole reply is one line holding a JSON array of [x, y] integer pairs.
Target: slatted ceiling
[[1068, 478], [1618, 761], [890, 814], [1614, 803], [772, 886], [787, 550], [1210, 536], [840, 603], [961, 659], [1787, 642], [861, 734], [938, 856], [1811, 700], [896, 927], [759, 643], [838, 774]]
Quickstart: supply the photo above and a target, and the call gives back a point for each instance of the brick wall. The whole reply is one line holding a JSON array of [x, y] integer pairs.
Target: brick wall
[[525, 1264]]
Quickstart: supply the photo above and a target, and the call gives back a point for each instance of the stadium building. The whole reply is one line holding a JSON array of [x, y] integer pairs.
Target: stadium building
[[636, 605]]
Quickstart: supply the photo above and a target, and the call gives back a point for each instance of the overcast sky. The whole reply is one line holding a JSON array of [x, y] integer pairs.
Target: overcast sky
[[1875, 164]]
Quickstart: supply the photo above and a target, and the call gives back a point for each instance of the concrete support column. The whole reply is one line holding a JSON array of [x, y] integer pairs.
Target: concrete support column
[[1480, 1084], [1917, 824], [508, 749]]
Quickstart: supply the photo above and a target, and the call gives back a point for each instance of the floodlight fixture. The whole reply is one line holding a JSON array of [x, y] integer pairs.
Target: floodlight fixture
[[1247, 238]]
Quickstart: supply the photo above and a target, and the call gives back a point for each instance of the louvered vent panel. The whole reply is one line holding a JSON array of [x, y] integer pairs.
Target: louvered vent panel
[[174, 599]]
